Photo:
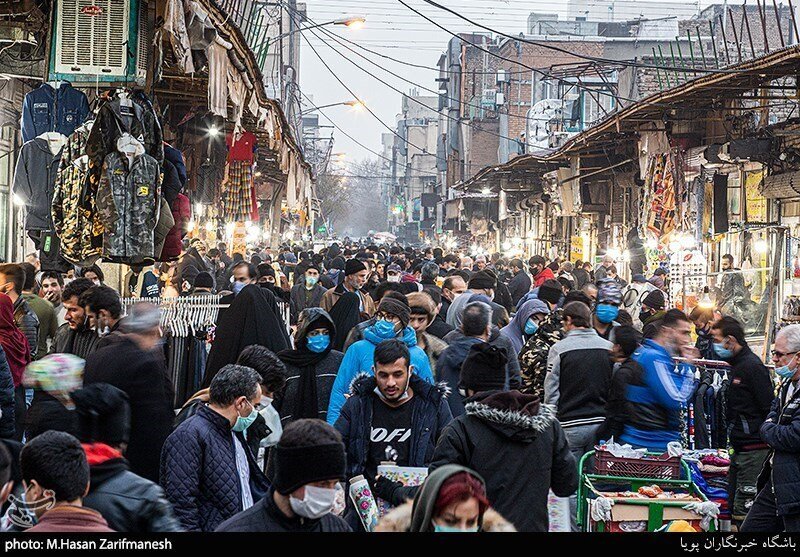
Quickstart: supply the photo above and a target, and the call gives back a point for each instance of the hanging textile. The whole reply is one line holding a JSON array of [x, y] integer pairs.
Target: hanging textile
[[218, 68], [236, 193], [661, 190], [175, 26]]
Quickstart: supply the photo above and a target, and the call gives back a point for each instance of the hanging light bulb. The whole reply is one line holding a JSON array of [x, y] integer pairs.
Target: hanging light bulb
[[705, 301]]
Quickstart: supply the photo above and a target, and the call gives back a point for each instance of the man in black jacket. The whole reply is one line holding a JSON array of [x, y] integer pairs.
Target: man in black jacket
[[521, 283], [750, 395], [512, 440], [776, 508], [76, 336], [393, 416], [128, 502], [309, 462]]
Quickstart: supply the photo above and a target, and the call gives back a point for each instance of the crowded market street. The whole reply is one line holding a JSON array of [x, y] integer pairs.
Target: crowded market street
[[399, 266]]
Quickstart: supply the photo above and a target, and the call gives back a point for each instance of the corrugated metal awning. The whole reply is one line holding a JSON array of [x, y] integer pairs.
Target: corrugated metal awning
[[781, 186]]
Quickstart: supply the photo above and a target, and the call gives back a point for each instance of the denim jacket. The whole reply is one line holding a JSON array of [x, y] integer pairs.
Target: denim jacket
[[46, 109]]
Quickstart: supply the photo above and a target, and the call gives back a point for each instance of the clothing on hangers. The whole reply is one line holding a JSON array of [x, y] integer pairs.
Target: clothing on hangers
[[47, 108], [34, 182]]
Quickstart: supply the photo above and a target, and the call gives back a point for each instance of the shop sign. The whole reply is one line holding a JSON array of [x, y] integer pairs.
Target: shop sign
[[576, 248], [92, 11]]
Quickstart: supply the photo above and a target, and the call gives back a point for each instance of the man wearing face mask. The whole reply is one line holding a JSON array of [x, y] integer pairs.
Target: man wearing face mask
[[355, 277], [659, 389], [310, 462], [135, 364], [76, 336], [207, 470], [749, 397], [652, 313], [776, 508], [267, 279], [308, 293], [104, 310], [609, 298], [393, 273], [393, 319], [392, 416]]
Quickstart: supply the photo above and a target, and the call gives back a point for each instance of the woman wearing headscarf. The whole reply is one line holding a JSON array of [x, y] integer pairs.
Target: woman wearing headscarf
[[525, 323], [452, 499], [53, 378], [311, 368], [18, 355], [252, 318], [345, 315]]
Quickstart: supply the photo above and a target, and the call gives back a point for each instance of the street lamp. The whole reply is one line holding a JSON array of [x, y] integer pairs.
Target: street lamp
[[356, 104], [351, 22]]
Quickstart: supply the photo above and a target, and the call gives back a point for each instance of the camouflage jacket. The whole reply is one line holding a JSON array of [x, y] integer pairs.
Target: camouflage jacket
[[127, 203], [75, 218], [533, 356]]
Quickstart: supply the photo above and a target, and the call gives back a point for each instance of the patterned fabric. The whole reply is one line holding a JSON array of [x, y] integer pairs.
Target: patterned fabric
[[127, 204], [73, 210], [236, 192], [533, 357], [56, 374]]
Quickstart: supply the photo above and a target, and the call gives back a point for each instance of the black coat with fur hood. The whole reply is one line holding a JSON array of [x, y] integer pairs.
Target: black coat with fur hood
[[518, 446]]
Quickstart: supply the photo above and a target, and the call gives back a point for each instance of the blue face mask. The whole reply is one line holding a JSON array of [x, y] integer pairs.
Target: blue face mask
[[243, 423], [784, 372], [319, 343], [453, 529], [237, 287], [385, 329], [722, 352], [531, 327], [606, 313]]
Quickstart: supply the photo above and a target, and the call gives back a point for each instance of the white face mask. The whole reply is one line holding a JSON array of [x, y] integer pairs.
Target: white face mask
[[317, 503], [393, 278]]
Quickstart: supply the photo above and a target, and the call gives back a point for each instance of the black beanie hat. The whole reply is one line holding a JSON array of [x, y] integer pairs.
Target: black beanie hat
[[484, 369], [104, 415], [353, 266], [316, 266], [203, 280], [298, 466], [654, 300], [483, 280], [550, 291], [397, 307]]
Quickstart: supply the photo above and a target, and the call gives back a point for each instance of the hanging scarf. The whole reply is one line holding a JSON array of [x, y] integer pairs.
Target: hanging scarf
[[13, 341]]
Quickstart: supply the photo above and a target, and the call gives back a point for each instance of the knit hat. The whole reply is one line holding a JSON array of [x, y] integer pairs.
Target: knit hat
[[104, 415], [203, 280], [266, 270], [654, 300], [353, 266], [609, 292], [483, 280], [550, 291], [484, 368], [289, 258], [299, 466], [396, 307], [316, 266]]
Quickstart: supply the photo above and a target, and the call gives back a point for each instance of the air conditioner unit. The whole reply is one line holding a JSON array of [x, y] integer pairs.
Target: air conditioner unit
[[104, 41]]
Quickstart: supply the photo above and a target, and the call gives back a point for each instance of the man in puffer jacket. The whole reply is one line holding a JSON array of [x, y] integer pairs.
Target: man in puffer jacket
[[201, 459], [393, 316], [128, 502]]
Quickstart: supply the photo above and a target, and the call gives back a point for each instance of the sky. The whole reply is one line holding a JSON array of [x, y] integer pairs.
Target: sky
[[391, 29]]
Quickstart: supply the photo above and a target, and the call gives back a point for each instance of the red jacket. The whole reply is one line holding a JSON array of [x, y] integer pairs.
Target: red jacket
[[182, 213], [68, 518], [539, 279]]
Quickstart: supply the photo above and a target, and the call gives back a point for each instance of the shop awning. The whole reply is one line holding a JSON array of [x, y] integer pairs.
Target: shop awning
[[781, 186]]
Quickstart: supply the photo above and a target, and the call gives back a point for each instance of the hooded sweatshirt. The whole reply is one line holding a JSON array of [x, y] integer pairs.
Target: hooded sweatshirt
[[359, 359]]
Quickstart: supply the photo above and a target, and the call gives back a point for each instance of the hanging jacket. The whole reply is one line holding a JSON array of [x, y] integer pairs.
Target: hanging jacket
[[74, 214], [181, 214], [34, 182], [127, 204], [28, 323], [359, 359], [174, 156], [46, 109], [165, 223]]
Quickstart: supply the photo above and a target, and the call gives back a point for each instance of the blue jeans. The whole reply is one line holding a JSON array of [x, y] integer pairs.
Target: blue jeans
[[581, 440]]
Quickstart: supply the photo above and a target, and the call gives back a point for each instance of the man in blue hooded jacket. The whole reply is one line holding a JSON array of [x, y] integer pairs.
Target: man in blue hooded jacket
[[392, 317]]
